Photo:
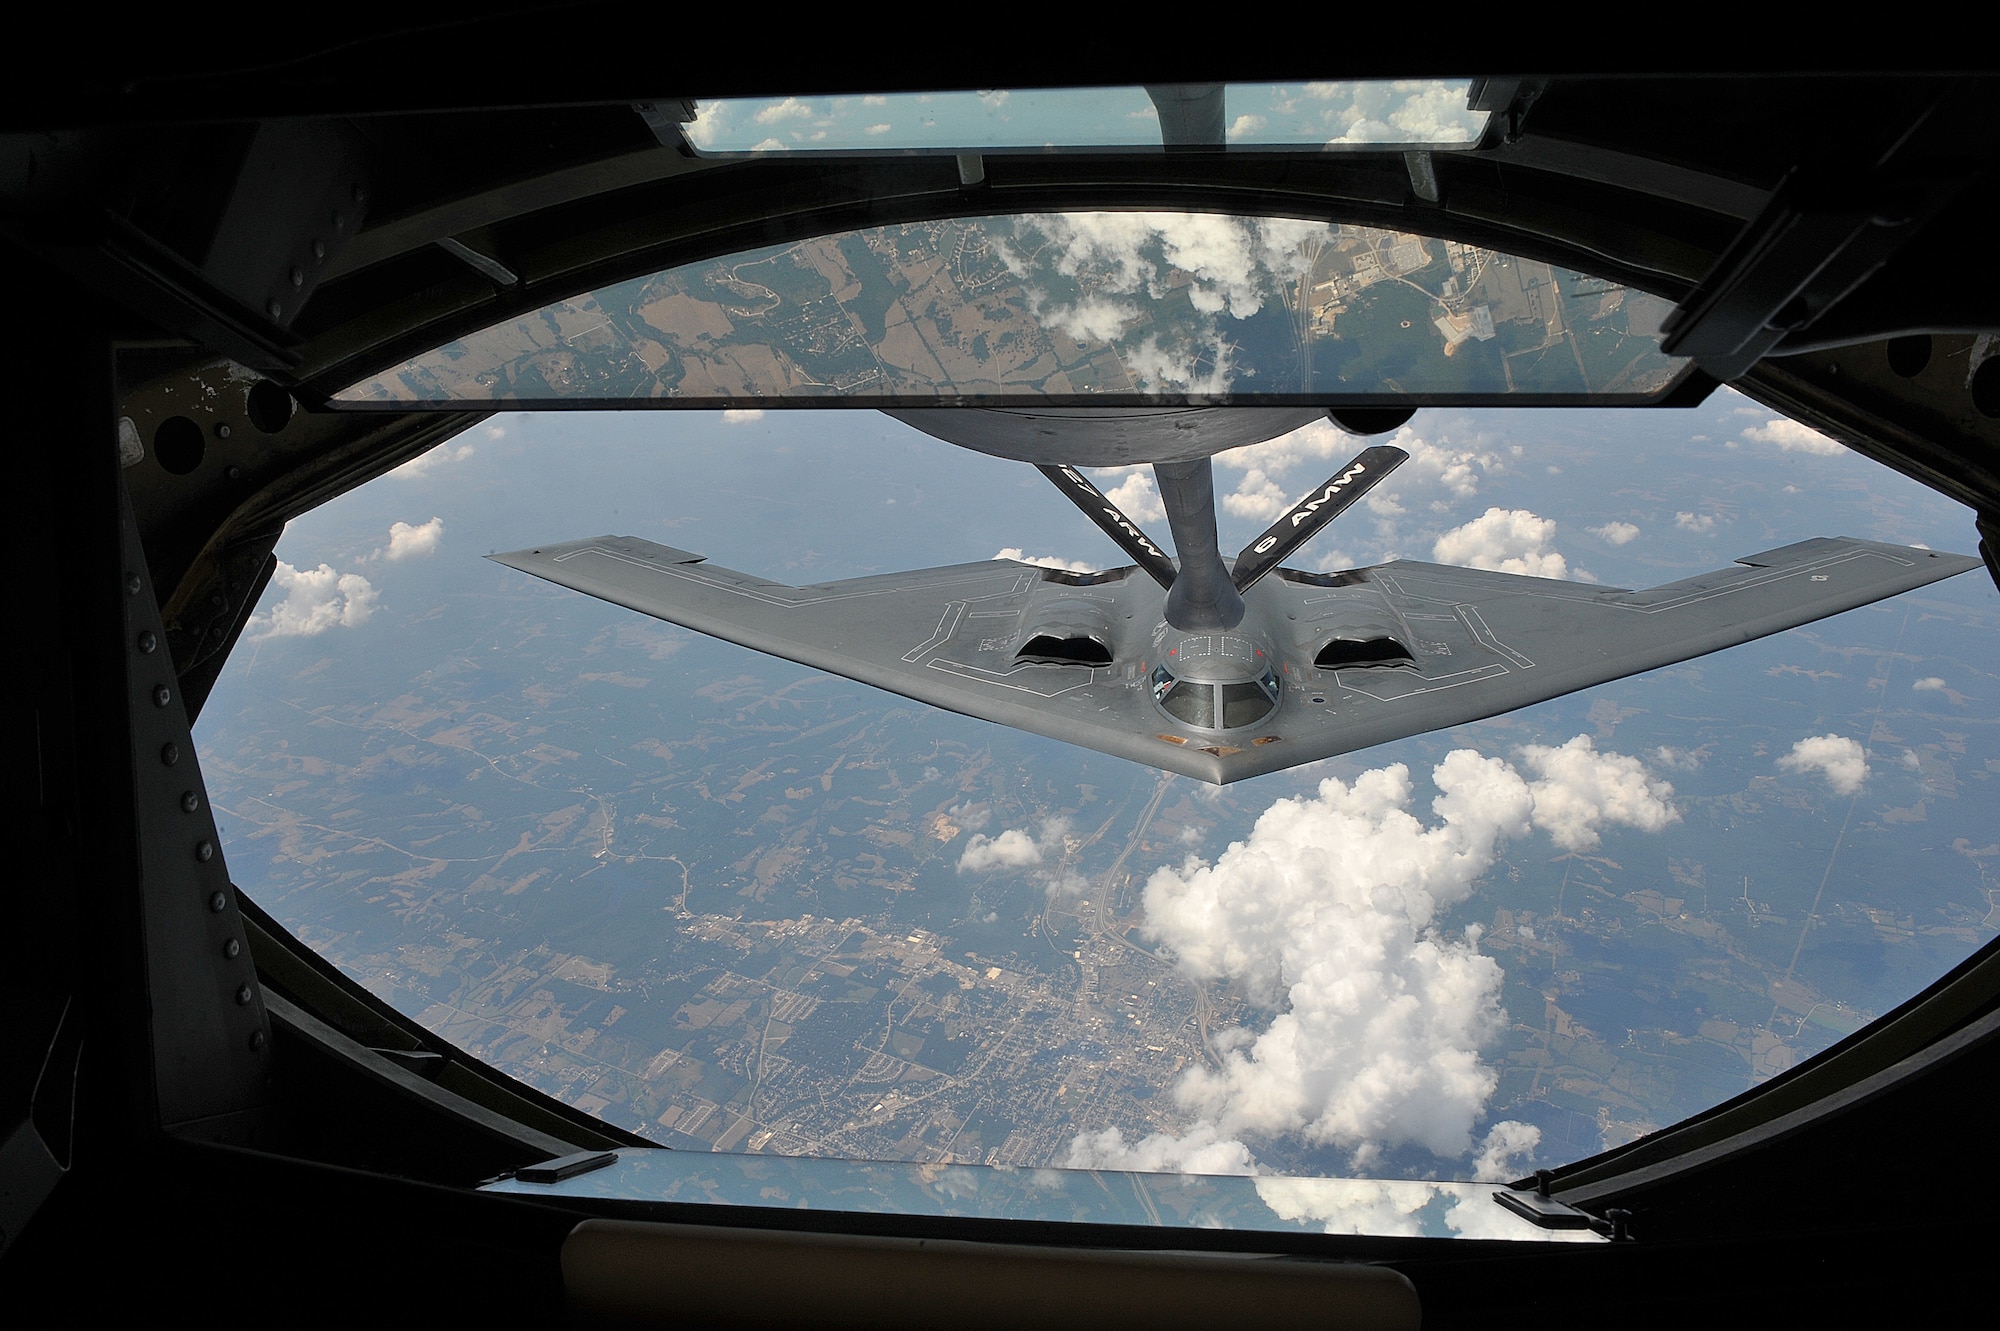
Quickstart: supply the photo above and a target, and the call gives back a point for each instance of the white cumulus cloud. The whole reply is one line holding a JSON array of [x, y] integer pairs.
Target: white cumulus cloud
[[407, 542], [1441, 473], [1577, 789], [1180, 367], [1091, 320], [1135, 493], [1017, 848], [1397, 1206], [443, 455], [1615, 533], [1698, 524], [1504, 540], [1279, 470], [1228, 267], [1232, 260], [971, 815], [1842, 761], [1406, 110], [1327, 914], [1455, 469], [1012, 849], [1929, 684], [1257, 496], [778, 112], [1015, 553], [1201, 1150], [316, 600], [1507, 1142], [1792, 437]]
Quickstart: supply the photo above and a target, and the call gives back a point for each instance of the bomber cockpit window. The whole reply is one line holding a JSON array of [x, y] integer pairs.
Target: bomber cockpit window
[[1216, 706], [1191, 701], [1248, 703]]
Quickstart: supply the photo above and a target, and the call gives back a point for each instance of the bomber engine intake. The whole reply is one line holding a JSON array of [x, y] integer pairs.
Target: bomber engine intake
[[1068, 631], [1358, 627]]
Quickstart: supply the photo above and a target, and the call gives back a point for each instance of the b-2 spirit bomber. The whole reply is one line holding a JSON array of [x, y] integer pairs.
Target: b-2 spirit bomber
[[1223, 668]]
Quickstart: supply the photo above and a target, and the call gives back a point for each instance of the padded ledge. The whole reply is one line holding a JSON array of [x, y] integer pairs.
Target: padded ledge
[[620, 1273], [531, 1142]]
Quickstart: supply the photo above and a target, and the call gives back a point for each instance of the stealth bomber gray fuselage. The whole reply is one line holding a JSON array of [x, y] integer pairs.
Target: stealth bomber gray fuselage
[[1224, 669]]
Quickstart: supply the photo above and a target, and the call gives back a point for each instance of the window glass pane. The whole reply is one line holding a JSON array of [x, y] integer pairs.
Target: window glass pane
[[1271, 1204], [1074, 309], [990, 120], [732, 903], [1193, 703], [1244, 704], [1428, 113], [1381, 113]]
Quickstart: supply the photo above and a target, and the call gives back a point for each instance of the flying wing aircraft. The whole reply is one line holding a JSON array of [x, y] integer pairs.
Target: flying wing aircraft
[[1224, 670]]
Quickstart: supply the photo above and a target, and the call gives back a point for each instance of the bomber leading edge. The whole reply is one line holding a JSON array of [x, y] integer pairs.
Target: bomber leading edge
[[1224, 669]]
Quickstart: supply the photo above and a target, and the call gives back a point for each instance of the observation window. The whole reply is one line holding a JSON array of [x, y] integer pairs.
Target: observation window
[[1067, 309], [1377, 113], [737, 905]]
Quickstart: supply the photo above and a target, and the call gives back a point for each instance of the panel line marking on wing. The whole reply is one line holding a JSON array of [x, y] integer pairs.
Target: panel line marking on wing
[[999, 679], [1484, 636], [694, 573], [1432, 683], [1761, 578], [946, 626], [1753, 578]]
